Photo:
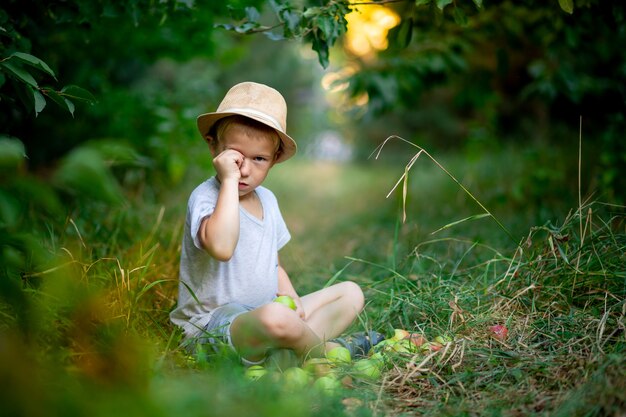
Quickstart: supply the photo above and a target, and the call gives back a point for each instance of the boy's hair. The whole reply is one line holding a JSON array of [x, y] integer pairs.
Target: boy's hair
[[216, 133]]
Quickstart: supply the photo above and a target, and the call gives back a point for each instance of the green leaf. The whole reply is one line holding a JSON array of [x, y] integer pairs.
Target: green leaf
[[33, 61], [40, 102], [70, 106], [119, 153], [400, 36], [19, 73], [78, 93], [24, 93], [56, 97], [443, 3], [12, 153], [252, 14], [36, 192], [292, 20], [460, 17], [10, 210], [326, 26], [247, 27], [310, 12], [275, 36], [567, 6], [321, 47], [478, 3], [85, 174]]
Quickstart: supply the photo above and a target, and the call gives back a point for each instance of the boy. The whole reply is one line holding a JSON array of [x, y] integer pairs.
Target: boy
[[230, 270]]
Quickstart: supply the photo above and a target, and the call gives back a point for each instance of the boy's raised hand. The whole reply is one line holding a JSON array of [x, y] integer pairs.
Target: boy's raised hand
[[227, 165]]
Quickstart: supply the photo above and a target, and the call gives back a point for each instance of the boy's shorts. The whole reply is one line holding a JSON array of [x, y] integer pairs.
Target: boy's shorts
[[217, 331]]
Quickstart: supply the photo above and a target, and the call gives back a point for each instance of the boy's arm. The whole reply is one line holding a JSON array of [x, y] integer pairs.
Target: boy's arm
[[219, 232], [285, 287]]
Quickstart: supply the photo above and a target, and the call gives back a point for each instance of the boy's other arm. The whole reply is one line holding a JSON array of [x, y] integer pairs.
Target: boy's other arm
[[285, 287], [219, 232]]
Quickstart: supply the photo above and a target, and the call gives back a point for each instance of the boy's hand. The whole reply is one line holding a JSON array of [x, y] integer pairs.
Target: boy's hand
[[299, 308], [296, 299], [227, 165]]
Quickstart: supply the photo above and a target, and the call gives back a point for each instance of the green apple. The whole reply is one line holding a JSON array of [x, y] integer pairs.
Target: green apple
[[443, 339], [367, 369], [399, 334], [286, 300], [383, 346], [327, 385], [317, 367], [339, 355], [377, 357], [255, 372], [296, 378], [403, 346]]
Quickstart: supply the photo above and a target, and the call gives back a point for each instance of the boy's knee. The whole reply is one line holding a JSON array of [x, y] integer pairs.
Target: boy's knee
[[279, 322], [353, 292]]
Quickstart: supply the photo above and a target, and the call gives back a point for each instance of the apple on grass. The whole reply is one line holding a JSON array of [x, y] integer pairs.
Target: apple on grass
[[367, 369], [296, 378], [400, 334], [431, 347], [339, 355], [417, 339], [443, 339], [377, 357], [255, 372], [403, 346], [384, 346], [499, 332], [317, 367], [286, 300], [327, 385]]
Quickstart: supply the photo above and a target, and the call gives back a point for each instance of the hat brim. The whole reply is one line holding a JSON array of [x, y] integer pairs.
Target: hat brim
[[207, 120]]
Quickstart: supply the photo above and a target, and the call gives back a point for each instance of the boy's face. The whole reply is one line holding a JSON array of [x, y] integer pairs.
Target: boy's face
[[258, 151]]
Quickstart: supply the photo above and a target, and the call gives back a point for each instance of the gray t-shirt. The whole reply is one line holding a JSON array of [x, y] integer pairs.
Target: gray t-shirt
[[250, 277]]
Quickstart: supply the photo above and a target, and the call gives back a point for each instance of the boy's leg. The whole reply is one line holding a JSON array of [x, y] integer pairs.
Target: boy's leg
[[273, 326], [329, 312]]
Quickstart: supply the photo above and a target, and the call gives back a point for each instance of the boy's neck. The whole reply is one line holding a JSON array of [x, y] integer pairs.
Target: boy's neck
[[252, 204]]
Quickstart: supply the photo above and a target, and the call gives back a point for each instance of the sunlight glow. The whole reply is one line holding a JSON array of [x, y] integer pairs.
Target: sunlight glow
[[332, 81], [367, 29]]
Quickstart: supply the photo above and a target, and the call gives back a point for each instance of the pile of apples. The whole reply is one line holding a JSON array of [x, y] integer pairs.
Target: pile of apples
[[338, 369]]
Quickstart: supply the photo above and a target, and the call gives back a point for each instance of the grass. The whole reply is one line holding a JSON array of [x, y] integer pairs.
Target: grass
[[98, 340]]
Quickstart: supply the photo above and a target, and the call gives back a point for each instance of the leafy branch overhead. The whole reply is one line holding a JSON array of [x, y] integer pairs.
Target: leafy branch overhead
[[23, 70], [320, 26]]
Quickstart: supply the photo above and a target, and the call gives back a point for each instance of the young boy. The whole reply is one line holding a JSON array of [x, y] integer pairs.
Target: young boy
[[229, 269]]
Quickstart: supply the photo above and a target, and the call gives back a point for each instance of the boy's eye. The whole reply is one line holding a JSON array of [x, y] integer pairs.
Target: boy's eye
[[260, 158]]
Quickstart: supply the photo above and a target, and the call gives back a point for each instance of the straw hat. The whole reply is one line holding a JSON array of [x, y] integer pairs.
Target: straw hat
[[258, 102]]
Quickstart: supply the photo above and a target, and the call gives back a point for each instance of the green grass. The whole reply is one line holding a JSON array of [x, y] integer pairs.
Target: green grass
[[97, 340]]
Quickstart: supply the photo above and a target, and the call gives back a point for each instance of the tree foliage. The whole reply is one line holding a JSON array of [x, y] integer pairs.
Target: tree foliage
[[72, 132], [525, 71]]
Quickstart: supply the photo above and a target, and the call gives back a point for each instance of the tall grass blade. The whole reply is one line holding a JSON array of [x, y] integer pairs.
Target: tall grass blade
[[474, 217], [379, 149]]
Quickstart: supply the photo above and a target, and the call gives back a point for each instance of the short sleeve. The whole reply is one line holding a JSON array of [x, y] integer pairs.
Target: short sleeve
[[201, 205]]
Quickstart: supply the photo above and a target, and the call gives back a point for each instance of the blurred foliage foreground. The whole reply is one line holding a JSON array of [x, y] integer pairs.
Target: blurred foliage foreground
[[84, 328]]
